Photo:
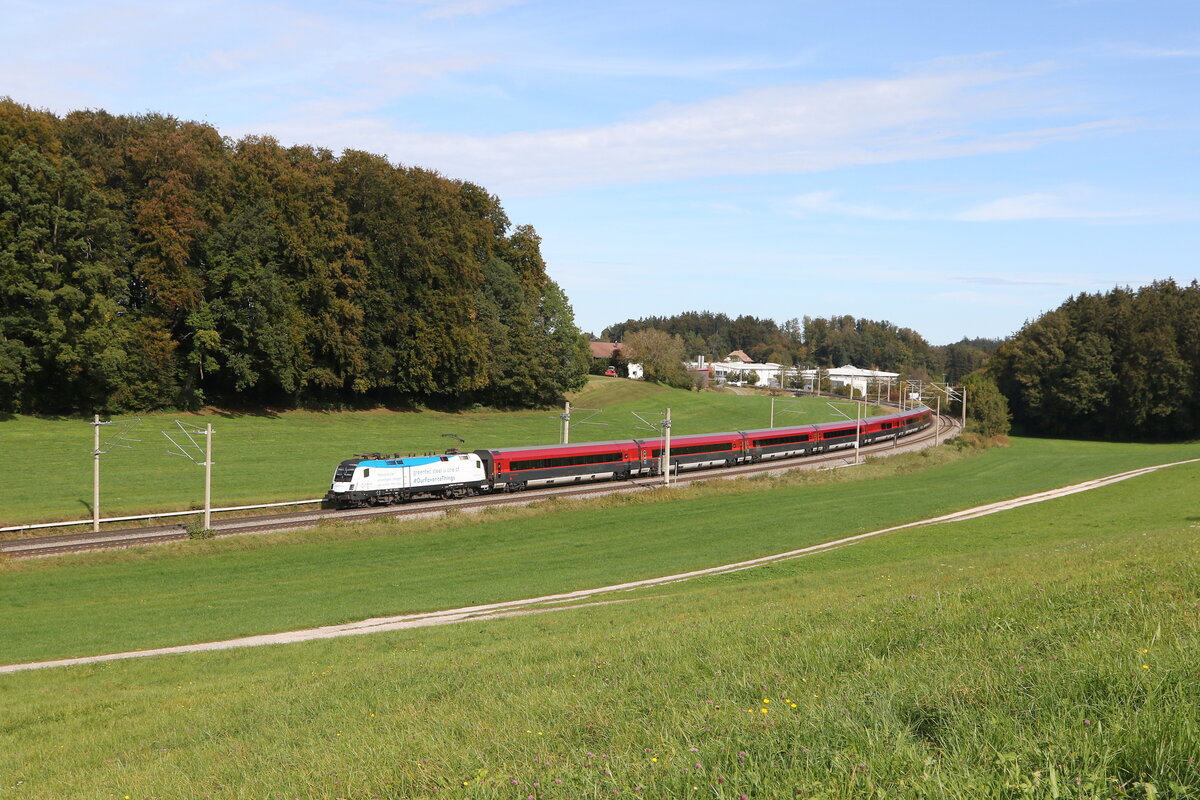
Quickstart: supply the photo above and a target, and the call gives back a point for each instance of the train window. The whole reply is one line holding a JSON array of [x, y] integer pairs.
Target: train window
[[567, 461], [366, 472], [837, 434], [694, 449], [780, 440]]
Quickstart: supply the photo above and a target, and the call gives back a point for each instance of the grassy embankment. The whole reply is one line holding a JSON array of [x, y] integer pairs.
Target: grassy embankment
[[46, 467], [1044, 652]]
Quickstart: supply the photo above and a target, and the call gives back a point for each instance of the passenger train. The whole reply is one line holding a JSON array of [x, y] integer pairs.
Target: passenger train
[[379, 480]]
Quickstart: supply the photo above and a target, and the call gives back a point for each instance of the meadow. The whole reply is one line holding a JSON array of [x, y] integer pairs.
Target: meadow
[[1043, 652], [46, 464]]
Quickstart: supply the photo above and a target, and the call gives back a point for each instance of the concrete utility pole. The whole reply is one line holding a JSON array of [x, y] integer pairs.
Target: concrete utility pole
[[964, 409], [96, 423], [772, 425], [857, 431], [937, 423], [857, 426], [667, 449], [566, 424], [191, 451], [119, 439], [208, 434]]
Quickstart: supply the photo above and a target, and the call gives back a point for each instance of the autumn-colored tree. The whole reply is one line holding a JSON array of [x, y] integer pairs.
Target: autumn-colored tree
[[149, 262]]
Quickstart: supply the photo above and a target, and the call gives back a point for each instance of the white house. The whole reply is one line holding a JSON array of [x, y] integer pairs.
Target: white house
[[861, 380], [737, 366]]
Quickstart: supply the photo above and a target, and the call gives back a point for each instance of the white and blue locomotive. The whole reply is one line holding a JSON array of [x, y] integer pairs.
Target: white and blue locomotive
[[377, 480]]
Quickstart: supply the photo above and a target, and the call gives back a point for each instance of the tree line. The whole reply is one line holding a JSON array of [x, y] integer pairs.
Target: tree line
[[815, 341], [1122, 365], [150, 262]]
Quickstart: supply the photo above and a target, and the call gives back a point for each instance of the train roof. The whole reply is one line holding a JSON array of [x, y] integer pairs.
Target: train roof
[[529, 448], [658, 438], [410, 461]]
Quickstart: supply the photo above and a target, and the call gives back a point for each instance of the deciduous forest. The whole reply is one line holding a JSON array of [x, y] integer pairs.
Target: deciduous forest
[[148, 262]]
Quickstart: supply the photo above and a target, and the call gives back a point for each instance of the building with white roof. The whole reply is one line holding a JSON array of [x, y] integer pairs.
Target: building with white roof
[[737, 368], [858, 379]]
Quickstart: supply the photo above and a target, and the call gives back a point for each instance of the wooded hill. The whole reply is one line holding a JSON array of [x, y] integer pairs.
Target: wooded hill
[[816, 341], [1120, 365], [148, 262]]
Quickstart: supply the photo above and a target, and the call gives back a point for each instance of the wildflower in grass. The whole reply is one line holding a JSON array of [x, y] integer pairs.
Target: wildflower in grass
[[1145, 666]]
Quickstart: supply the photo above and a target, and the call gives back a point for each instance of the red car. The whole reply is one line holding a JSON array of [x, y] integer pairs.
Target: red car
[[611, 372]]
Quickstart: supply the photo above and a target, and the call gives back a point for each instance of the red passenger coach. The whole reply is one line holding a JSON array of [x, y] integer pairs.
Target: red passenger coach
[[835, 435], [781, 442], [699, 450], [515, 468]]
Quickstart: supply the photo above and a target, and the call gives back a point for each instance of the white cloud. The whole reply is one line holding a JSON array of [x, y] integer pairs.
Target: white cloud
[[1077, 204], [689, 68], [781, 129], [440, 9], [826, 202], [1052, 206], [1159, 51]]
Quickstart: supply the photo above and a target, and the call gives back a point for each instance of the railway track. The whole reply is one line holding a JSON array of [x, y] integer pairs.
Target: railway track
[[59, 544]]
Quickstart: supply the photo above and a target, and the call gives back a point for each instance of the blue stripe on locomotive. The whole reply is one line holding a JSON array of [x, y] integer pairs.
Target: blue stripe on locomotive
[[401, 462]]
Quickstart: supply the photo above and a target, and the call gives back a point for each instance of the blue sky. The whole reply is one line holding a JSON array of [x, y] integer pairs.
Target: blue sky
[[957, 167]]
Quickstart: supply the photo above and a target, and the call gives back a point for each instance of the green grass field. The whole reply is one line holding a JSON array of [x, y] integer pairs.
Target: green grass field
[[46, 467], [218, 589], [1043, 652]]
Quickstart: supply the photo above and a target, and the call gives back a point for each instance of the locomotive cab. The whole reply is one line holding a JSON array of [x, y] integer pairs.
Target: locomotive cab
[[382, 481]]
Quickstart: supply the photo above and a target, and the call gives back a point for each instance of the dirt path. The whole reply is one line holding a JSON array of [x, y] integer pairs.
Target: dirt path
[[581, 598]]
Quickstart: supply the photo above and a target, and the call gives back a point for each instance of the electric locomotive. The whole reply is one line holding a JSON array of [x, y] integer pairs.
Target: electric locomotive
[[378, 480]]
